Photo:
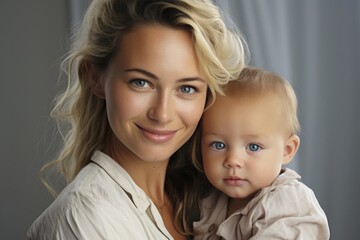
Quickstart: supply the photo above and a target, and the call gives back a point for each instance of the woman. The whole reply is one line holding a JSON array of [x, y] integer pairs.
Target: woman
[[139, 77]]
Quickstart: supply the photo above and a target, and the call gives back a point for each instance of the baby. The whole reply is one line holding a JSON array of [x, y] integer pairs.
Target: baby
[[245, 138]]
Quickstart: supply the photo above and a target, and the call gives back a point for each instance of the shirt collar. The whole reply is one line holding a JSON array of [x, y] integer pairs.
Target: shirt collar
[[285, 176], [123, 179]]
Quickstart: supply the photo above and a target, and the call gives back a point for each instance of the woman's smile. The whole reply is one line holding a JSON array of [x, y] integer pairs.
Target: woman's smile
[[156, 135]]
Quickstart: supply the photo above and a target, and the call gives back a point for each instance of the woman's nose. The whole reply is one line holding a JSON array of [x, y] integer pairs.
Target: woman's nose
[[161, 108]]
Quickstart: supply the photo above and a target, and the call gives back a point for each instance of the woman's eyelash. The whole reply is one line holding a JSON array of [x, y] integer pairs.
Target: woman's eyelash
[[139, 83], [188, 89]]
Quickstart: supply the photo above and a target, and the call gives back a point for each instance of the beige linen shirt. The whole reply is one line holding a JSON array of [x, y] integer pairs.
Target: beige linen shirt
[[285, 210], [103, 202]]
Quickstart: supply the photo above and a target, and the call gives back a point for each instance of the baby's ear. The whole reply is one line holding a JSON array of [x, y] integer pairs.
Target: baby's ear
[[291, 146], [94, 80]]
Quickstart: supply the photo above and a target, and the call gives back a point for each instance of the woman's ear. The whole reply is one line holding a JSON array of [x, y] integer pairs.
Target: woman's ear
[[291, 146], [95, 80]]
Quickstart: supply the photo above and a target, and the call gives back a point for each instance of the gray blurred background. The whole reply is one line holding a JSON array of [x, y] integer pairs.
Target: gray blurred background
[[315, 44]]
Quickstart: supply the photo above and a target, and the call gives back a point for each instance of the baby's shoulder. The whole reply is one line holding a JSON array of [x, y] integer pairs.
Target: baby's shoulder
[[292, 195]]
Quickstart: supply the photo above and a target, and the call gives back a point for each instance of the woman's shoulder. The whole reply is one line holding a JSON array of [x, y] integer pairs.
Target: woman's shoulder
[[90, 200], [91, 185]]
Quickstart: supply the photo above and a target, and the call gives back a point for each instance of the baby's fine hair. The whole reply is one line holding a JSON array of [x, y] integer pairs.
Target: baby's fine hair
[[253, 82]]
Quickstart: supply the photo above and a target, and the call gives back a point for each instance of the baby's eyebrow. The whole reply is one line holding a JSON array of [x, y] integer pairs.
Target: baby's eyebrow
[[255, 136]]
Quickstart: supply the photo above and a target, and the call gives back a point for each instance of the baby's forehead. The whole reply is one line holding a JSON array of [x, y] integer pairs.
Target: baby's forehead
[[268, 102], [229, 105], [248, 95], [240, 118]]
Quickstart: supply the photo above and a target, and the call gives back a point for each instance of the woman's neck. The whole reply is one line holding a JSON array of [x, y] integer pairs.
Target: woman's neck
[[149, 176]]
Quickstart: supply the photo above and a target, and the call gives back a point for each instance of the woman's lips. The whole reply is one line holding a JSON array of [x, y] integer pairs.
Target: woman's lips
[[157, 136]]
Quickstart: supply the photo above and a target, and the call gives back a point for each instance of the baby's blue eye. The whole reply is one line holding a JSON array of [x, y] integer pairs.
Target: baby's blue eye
[[218, 145], [253, 147], [187, 89]]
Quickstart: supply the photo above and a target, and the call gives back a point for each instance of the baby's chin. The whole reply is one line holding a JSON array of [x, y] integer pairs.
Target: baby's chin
[[242, 195]]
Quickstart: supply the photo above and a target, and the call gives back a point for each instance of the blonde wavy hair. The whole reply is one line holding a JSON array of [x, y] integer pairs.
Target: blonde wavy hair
[[81, 116]]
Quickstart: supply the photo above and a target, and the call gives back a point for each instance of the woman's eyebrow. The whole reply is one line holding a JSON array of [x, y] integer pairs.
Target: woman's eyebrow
[[142, 71], [189, 79], [153, 76]]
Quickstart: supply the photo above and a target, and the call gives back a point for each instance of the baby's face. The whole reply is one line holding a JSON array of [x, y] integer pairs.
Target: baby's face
[[243, 143]]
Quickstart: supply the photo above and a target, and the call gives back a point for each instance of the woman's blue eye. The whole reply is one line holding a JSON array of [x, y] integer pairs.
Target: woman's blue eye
[[253, 147], [187, 89], [218, 145], [139, 83]]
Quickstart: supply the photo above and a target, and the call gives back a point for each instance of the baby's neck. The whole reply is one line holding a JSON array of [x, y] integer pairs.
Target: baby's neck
[[236, 204]]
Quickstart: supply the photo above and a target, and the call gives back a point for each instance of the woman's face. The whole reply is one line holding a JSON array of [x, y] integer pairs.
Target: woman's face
[[155, 93]]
